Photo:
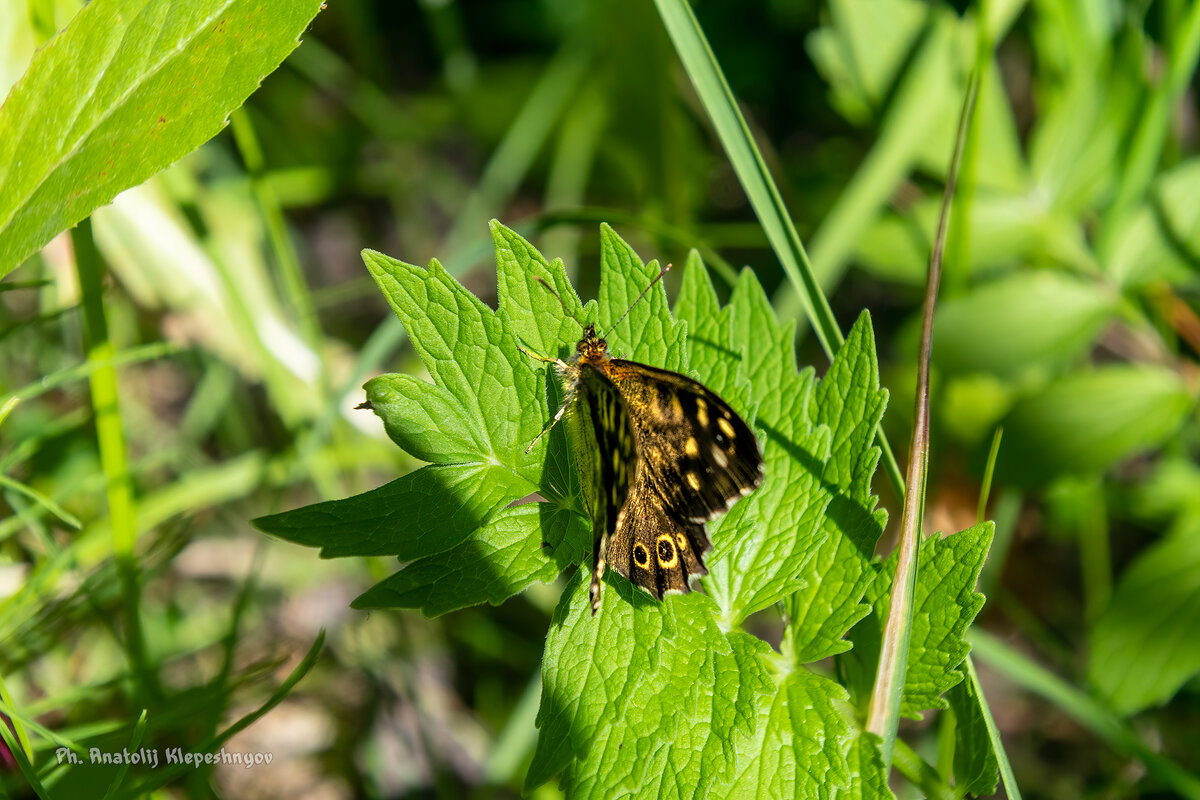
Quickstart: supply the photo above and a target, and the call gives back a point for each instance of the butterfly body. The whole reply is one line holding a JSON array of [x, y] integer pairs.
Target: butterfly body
[[659, 455]]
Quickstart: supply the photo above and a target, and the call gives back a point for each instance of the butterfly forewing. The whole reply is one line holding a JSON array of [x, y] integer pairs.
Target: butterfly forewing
[[700, 454]]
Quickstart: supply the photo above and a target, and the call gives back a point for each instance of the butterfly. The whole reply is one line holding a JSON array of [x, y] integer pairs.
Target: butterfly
[[659, 455]]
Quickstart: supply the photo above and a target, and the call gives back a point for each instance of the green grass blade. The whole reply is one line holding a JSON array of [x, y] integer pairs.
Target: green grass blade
[[110, 436], [1006, 774], [43, 501], [17, 726], [133, 355], [139, 733], [714, 92], [1078, 705], [706, 75], [985, 488], [23, 764]]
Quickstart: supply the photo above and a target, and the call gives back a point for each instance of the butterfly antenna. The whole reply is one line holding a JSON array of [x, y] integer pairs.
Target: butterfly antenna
[[561, 302], [638, 300]]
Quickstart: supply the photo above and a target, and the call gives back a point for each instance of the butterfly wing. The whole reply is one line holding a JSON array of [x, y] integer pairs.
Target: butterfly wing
[[611, 462], [696, 450], [651, 548]]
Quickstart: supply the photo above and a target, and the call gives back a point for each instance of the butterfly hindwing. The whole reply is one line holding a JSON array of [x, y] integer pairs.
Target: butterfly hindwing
[[653, 550]]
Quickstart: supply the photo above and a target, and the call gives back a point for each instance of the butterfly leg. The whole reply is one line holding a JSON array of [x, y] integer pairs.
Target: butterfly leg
[[562, 410], [549, 425]]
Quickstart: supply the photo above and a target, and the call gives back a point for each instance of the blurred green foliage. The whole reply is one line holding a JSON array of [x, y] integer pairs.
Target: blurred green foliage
[[212, 326]]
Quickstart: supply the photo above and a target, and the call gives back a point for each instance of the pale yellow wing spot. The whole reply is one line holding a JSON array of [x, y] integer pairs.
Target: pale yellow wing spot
[[694, 481], [726, 427], [692, 448], [702, 412], [719, 457]]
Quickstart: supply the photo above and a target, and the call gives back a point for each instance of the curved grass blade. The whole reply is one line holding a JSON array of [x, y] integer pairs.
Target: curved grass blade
[[747, 161]]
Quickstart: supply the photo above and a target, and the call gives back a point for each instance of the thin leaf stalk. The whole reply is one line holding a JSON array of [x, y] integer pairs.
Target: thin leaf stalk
[[883, 712]]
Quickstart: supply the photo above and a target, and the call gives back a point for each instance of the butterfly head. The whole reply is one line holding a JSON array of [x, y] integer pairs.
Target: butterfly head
[[591, 348]]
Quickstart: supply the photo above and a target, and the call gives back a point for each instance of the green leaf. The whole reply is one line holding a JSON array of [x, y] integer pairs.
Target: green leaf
[[803, 744], [1086, 421], [1144, 646], [944, 604], [850, 403], [868, 776], [701, 711], [647, 333], [711, 350], [1027, 319], [975, 765], [474, 423], [767, 538], [424, 420], [471, 353], [425, 512], [125, 90], [538, 318], [499, 559], [644, 698]]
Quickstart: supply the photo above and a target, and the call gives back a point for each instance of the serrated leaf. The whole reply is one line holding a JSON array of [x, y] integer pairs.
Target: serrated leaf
[[711, 351], [679, 687], [538, 317], [699, 711], [802, 743], [425, 420], [850, 403], [122, 92], [647, 333], [471, 352], [768, 537], [500, 559], [1144, 646], [474, 422], [868, 776], [975, 767], [944, 604], [422, 513]]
